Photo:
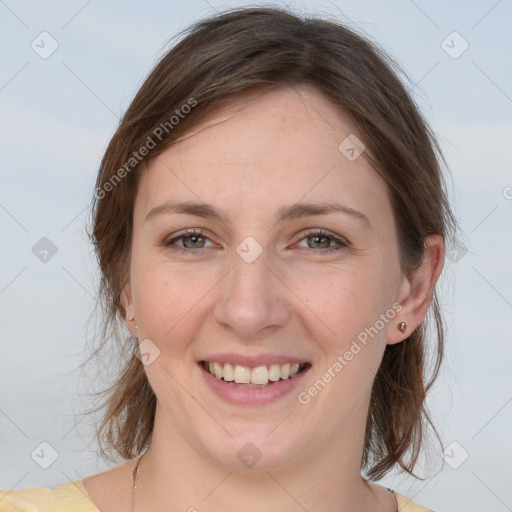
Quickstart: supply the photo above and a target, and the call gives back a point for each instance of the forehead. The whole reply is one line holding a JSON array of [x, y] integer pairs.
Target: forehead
[[281, 146]]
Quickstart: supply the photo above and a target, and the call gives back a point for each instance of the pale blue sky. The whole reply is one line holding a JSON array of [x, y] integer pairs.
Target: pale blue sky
[[57, 117]]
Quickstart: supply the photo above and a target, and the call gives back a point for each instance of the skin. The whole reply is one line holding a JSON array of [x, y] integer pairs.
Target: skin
[[249, 158]]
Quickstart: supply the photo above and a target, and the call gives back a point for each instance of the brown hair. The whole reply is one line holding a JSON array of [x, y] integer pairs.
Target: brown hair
[[250, 49]]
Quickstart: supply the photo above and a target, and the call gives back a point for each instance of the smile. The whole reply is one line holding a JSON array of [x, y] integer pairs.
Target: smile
[[258, 376]]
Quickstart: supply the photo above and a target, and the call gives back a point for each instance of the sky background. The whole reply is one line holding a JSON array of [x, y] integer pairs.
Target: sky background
[[58, 113]]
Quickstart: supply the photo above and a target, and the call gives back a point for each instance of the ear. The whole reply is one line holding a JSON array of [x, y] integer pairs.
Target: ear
[[415, 294], [127, 306]]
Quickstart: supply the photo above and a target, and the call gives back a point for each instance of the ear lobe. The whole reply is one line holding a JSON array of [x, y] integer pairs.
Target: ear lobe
[[417, 292], [126, 302]]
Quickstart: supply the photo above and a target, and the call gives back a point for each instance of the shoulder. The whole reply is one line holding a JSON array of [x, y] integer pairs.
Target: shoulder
[[63, 498], [405, 504]]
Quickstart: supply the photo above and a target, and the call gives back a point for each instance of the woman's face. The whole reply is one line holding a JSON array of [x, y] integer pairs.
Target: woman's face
[[276, 276]]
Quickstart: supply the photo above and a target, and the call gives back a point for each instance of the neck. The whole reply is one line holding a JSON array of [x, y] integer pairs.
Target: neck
[[173, 471]]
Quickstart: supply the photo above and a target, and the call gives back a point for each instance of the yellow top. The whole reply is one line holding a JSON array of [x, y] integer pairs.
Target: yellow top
[[72, 497]]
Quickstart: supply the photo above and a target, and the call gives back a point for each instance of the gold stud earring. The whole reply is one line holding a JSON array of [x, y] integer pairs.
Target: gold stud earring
[[402, 326]]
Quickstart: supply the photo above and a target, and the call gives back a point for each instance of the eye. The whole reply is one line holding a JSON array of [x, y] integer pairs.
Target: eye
[[193, 241], [321, 240]]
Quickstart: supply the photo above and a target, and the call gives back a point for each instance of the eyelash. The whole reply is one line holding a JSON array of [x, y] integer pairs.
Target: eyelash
[[343, 244]]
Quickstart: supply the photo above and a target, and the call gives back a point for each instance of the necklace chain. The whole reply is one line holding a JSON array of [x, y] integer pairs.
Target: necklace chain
[[136, 475], [135, 479]]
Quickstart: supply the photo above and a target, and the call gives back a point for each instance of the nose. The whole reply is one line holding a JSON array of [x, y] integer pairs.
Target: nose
[[253, 300]]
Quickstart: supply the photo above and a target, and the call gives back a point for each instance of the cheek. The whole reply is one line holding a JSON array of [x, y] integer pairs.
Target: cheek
[[169, 312], [353, 310], [167, 301], [346, 301]]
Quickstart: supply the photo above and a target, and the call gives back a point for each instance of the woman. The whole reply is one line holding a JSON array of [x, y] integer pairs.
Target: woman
[[270, 221]]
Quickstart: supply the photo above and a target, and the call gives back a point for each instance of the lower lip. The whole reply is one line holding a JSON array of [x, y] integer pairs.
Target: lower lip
[[252, 396]]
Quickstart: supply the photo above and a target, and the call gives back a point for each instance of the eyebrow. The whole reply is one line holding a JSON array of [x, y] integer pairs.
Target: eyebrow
[[287, 213]]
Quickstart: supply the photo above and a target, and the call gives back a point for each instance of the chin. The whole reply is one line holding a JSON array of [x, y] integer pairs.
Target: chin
[[257, 451]]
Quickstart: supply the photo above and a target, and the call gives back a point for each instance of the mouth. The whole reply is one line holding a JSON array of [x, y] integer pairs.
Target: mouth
[[253, 377]]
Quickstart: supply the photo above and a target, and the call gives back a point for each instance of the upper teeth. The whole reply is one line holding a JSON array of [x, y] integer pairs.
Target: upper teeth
[[257, 375]]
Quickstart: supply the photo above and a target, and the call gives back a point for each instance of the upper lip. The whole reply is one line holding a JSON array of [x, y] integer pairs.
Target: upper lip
[[252, 361]]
